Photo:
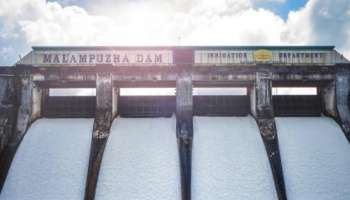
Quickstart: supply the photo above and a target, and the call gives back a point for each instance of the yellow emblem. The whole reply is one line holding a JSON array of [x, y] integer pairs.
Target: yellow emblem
[[263, 55]]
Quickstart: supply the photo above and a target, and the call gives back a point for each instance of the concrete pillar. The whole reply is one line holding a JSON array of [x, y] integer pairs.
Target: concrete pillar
[[30, 105], [30, 101], [335, 101], [8, 108], [184, 129], [262, 110], [102, 125], [115, 96]]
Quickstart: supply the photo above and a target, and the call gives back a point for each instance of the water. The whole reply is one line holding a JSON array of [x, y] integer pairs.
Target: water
[[51, 162], [315, 158], [229, 160], [140, 161]]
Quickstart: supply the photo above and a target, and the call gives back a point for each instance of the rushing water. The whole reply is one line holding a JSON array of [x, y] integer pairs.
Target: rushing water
[[51, 162], [140, 161], [316, 158], [229, 160]]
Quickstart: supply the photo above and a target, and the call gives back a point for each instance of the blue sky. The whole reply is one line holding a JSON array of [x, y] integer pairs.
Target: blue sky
[[26, 23], [282, 9]]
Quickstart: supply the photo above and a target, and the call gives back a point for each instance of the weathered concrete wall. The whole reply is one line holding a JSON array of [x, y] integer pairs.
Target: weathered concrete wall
[[29, 105], [335, 101], [105, 96], [7, 109], [31, 81], [115, 95], [184, 129], [262, 110], [28, 109]]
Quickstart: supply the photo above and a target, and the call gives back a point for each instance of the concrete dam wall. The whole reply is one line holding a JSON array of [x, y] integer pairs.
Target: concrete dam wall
[[257, 144]]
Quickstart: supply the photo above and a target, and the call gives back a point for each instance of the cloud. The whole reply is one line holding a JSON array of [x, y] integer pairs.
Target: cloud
[[247, 27], [59, 25], [159, 22], [153, 22], [320, 22], [5, 52]]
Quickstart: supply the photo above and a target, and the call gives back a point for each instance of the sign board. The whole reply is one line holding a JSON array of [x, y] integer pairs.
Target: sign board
[[263, 55], [198, 56], [93, 58], [232, 57]]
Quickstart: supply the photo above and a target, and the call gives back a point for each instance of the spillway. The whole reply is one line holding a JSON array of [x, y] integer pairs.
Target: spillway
[[229, 160], [315, 158], [140, 161], [51, 162]]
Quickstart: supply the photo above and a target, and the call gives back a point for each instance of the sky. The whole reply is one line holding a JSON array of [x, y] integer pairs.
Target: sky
[[27, 23]]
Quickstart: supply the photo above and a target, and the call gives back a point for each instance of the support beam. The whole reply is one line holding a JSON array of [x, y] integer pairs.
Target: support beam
[[335, 101], [28, 111], [8, 108], [115, 95], [262, 110], [30, 106], [101, 130], [184, 129]]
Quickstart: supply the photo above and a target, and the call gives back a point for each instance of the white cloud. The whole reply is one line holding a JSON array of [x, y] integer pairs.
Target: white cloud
[[248, 27], [66, 26], [5, 50], [320, 22], [152, 22], [298, 26], [159, 22]]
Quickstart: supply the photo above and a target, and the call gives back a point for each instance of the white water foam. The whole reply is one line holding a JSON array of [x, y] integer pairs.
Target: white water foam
[[229, 160], [51, 162], [140, 161], [316, 158]]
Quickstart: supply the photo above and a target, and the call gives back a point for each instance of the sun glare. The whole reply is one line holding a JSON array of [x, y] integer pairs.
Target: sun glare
[[142, 26]]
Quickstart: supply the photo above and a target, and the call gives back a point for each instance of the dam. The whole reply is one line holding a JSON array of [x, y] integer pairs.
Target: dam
[[211, 122]]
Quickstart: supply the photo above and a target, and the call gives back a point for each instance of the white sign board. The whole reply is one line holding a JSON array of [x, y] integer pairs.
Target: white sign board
[[93, 58], [228, 57], [58, 57]]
